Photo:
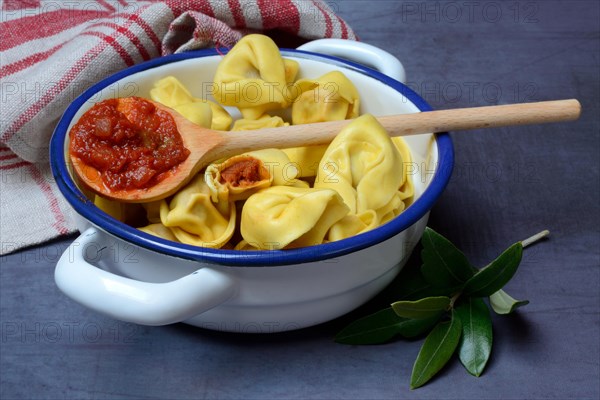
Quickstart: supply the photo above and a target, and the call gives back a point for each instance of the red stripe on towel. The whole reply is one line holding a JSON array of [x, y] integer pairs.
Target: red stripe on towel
[[22, 30], [28, 62], [59, 223]]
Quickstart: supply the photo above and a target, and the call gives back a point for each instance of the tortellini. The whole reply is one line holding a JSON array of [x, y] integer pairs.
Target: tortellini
[[364, 166], [255, 78], [287, 217], [112, 208], [221, 120], [407, 189], [170, 92], [263, 122], [307, 158], [237, 177], [198, 113], [333, 98], [193, 218], [130, 213], [153, 211], [353, 224], [159, 230]]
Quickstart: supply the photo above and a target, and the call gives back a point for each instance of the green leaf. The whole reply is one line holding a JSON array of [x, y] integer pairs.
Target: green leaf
[[495, 275], [444, 265], [411, 328], [503, 304], [476, 341], [436, 351], [376, 328], [423, 308], [382, 326]]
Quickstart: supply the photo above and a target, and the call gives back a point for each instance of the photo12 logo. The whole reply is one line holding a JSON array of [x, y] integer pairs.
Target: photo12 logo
[[27, 92], [66, 12], [69, 332], [475, 93], [453, 12]]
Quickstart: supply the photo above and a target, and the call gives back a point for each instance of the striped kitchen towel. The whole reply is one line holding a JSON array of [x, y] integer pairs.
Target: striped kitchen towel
[[51, 51]]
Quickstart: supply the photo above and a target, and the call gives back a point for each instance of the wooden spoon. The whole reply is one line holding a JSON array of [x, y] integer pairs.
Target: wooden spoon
[[207, 145]]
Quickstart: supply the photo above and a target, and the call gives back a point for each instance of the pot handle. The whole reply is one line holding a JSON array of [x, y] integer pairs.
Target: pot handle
[[360, 52], [135, 301]]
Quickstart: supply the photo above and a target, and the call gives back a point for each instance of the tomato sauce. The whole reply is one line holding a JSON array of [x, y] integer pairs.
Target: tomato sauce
[[129, 141], [242, 173]]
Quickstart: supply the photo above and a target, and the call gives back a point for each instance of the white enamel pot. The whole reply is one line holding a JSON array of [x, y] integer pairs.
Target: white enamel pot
[[132, 276]]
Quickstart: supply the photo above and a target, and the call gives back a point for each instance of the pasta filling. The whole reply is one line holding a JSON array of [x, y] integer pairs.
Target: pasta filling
[[242, 173]]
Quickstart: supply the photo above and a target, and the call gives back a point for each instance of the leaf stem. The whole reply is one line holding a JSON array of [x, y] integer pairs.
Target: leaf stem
[[453, 300], [535, 238]]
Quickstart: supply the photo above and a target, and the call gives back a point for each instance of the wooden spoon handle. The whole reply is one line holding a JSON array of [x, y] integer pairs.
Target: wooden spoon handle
[[462, 119], [410, 124]]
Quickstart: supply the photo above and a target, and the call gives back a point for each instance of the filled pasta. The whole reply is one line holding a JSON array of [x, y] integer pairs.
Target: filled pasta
[[287, 217], [333, 98], [221, 120], [160, 231], [193, 218], [353, 224], [407, 189], [237, 177], [198, 113], [264, 121], [130, 213], [255, 78], [307, 158], [170, 92], [153, 210], [364, 166]]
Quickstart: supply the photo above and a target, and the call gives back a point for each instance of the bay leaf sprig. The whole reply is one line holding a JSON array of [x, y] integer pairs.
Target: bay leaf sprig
[[444, 299]]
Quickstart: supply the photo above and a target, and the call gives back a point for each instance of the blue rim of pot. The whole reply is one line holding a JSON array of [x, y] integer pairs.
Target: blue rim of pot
[[86, 208]]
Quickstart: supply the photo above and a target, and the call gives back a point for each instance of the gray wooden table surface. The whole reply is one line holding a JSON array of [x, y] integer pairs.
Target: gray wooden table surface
[[508, 184]]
